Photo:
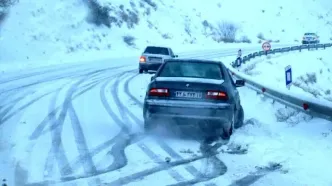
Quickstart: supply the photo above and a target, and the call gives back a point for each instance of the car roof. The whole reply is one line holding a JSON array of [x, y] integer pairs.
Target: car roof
[[192, 60], [157, 47]]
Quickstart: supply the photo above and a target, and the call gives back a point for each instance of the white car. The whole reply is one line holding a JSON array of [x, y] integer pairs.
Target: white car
[[153, 57], [310, 38]]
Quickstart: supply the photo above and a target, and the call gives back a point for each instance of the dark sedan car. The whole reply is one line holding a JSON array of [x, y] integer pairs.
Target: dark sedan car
[[194, 92]]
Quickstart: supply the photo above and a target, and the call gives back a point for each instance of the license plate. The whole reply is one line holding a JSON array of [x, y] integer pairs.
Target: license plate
[[183, 94], [155, 60]]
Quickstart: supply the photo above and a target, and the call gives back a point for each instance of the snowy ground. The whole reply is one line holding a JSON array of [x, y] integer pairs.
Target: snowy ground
[[55, 32], [97, 58], [83, 126], [311, 72]]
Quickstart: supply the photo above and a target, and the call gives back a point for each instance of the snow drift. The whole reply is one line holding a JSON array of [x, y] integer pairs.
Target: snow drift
[[43, 31], [311, 72]]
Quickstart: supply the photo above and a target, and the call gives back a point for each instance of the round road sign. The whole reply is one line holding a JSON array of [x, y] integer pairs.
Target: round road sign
[[266, 46]]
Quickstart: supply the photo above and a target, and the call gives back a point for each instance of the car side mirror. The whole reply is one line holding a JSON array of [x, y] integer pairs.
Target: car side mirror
[[240, 83], [152, 78]]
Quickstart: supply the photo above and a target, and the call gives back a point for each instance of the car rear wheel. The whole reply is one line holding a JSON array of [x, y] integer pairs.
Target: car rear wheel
[[148, 125], [140, 71], [227, 132], [240, 119]]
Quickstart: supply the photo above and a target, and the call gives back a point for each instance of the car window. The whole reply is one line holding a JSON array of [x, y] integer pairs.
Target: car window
[[192, 69], [156, 50], [171, 52]]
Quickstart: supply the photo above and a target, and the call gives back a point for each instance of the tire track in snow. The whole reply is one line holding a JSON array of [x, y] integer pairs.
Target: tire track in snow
[[56, 153], [219, 166], [39, 131], [76, 163], [5, 103], [73, 166], [38, 83], [130, 178], [46, 120], [191, 169], [120, 142], [41, 127], [4, 119], [57, 148], [162, 167], [260, 172], [107, 144], [5, 108], [21, 108], [124, 114], [82, 147]]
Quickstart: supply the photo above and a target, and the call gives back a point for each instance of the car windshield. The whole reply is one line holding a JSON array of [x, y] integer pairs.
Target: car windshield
[[156, 50], [192, 69], [309, 34]]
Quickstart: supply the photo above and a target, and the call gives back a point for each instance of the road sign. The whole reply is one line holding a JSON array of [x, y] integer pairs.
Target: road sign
[[266, 46], [288, 76]]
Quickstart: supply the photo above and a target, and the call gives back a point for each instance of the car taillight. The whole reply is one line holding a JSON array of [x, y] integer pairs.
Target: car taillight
[[142, 59], [216, 95], [159, 92]]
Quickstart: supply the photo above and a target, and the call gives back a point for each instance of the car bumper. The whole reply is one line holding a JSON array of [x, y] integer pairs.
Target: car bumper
[[188, 110], [310, 42], [149, 66]]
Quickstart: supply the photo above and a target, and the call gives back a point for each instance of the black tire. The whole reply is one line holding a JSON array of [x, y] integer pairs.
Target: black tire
[[140, 71], [240, 119], [227, 132], [148, 125]]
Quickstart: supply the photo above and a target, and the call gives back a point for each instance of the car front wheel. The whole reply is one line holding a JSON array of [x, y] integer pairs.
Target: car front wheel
[[140, 71]]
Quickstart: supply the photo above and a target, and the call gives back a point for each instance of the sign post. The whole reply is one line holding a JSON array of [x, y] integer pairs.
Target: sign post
[[288, 76]]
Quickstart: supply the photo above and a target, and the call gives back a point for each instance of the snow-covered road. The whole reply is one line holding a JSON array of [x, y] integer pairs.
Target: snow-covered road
[[83, 126]]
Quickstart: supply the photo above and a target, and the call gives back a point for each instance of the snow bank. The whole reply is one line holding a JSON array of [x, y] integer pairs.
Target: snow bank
[[50, 32], [311, 72]]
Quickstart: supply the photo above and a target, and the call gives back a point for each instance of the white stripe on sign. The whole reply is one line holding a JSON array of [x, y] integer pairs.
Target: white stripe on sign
[[288, 76]]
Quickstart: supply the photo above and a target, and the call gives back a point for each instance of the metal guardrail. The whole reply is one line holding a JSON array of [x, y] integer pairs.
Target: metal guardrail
[[322, 109]]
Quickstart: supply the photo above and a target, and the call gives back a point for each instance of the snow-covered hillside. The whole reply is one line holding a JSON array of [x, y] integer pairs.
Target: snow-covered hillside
[[42, 31], [311, 72]]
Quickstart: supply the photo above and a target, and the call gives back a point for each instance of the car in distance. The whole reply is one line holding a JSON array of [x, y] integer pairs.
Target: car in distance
[[153, 57], [199, 92], [310, 38]]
